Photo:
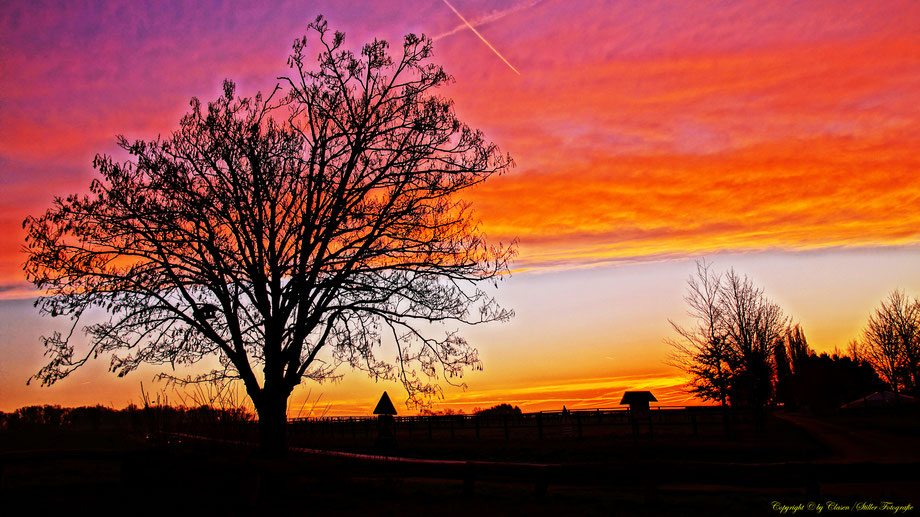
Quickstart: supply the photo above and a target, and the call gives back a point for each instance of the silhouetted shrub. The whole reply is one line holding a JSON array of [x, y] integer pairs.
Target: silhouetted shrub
[[823, 383], [501, 409]]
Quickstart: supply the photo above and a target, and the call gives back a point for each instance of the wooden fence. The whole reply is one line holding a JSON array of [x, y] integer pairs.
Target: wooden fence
[[665, 420], [660, 421]]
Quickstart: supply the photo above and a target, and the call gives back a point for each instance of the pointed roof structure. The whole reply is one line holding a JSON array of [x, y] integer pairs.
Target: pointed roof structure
[[385, 406]]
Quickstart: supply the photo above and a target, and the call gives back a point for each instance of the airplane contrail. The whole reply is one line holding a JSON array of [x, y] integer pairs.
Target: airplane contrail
[[476, 32], [488, 18]]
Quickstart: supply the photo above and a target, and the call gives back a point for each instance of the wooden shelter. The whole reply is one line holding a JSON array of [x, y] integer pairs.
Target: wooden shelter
[[638, 402]]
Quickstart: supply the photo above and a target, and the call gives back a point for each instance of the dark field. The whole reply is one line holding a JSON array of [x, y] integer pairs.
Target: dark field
[[608, 471]]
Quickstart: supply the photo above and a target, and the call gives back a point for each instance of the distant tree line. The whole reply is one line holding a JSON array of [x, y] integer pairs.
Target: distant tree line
[[441, 412], [132, 417], [499, 409], [742, 350]]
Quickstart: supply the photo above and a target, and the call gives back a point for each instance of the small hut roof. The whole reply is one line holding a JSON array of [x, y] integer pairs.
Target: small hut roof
[[638, 397], [385, 406]]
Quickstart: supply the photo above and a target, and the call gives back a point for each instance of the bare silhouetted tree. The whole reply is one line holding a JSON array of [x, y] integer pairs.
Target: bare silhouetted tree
[[293, 232], [702, 349], [891, 341], [755, 326], [728, 352]]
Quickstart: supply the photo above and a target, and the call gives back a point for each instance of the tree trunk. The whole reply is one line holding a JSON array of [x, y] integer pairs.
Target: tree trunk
[[272, 412]]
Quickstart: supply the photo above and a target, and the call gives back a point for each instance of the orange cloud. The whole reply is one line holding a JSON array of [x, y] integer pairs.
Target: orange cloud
[[793, 195], [796, 147]]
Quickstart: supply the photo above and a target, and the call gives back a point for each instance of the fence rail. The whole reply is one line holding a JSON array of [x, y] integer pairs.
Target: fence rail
[[545, 424], [528, 427]]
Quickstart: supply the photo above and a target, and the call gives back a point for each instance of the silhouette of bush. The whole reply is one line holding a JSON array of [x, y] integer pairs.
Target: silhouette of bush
[[501, 409], [823, 383]]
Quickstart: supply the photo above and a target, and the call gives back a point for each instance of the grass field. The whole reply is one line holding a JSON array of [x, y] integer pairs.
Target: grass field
[[113, 472]]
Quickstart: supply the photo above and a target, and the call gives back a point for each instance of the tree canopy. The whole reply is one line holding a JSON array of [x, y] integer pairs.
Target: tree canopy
[[728, 350], [891, 341], [293, 232]]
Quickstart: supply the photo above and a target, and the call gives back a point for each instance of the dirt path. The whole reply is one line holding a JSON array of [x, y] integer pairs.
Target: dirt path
[[855, 444]]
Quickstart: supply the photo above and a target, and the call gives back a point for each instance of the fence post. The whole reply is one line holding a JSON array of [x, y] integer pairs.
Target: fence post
[[507, 436], [477, 425], [635, 424], [578, 423], [540, 425]]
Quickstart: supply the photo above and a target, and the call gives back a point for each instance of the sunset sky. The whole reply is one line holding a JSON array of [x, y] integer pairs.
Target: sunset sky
[[778, 138]]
